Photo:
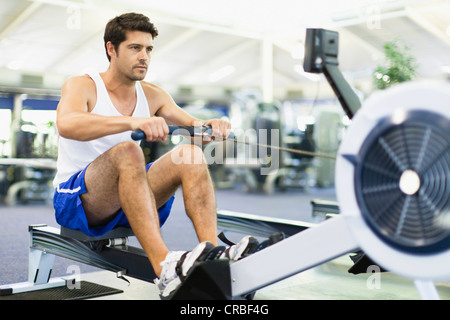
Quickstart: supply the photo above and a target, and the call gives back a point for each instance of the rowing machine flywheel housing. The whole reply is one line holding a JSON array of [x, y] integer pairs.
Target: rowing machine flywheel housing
[[393, 179]]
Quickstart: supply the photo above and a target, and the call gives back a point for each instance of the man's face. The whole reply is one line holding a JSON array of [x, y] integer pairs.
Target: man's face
[[133, 55]]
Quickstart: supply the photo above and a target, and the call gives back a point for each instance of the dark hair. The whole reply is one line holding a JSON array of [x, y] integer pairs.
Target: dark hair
[[116, 28]]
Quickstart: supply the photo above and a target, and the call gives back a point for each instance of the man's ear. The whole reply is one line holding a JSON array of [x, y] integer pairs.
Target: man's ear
[[110, 49]]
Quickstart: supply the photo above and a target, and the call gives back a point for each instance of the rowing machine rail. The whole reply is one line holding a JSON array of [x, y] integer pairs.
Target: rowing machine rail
[[47, 242]]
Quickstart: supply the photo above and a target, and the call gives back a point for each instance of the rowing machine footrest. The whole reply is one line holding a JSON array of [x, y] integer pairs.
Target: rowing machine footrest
[[209, 280], [362, 263]]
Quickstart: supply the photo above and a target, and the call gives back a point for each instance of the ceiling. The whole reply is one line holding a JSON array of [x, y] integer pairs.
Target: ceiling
[[210, 44]]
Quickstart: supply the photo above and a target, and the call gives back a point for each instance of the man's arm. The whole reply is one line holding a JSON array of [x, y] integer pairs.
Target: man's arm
[[74, 121]]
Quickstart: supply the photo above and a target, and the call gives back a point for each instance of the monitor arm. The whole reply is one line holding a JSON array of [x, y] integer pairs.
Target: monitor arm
[[321, 56]]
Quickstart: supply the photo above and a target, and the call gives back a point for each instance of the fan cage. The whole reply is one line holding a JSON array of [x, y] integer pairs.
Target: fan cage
[[416, 222]]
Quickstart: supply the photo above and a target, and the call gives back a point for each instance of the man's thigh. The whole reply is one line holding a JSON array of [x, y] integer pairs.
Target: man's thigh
[[101, 201]]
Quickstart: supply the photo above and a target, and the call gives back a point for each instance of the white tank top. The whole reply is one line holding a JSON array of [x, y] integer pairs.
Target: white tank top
[[74, 156]]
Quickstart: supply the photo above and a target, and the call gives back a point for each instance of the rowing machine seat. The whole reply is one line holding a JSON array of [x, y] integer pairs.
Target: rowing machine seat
[[119, 232]]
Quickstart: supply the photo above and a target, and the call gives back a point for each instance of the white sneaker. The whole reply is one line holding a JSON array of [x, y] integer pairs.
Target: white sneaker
[[246, 246], [177, 265]]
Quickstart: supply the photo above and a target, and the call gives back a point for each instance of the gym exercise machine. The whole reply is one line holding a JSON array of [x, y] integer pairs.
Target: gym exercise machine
[[392, 181], [393, 186]]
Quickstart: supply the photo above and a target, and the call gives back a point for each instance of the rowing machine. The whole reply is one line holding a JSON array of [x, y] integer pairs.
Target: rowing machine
[[392, 182]]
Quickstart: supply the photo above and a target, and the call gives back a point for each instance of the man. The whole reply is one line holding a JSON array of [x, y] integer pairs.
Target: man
[[102, 180]]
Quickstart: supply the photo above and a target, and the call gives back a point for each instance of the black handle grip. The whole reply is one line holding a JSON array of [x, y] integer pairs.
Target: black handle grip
[[189, 131], [138, 135]]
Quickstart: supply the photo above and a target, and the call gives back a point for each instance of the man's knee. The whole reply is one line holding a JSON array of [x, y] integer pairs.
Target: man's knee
[[129, 153], [187, 154]]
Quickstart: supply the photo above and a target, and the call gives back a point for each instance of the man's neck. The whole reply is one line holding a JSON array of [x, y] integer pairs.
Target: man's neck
[[118, 84]]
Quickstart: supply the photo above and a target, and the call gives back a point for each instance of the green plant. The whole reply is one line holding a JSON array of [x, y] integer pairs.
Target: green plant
[[400, 65]]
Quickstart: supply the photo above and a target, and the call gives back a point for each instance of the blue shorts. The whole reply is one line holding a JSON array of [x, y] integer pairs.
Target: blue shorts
[[69, 210]]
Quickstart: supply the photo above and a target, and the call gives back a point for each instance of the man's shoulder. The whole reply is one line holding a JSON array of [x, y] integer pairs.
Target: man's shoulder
[[150, 87], [155, 93], [82, 81], [79, 86]]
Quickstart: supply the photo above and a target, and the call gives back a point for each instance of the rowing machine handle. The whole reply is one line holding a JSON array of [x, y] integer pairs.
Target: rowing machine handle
[[189, 131]]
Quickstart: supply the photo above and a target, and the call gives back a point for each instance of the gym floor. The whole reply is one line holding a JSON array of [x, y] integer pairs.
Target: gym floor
[[329, 281]]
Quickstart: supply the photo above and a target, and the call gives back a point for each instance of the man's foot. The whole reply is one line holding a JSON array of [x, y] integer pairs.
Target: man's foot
[[243, 248], [177, 265]]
